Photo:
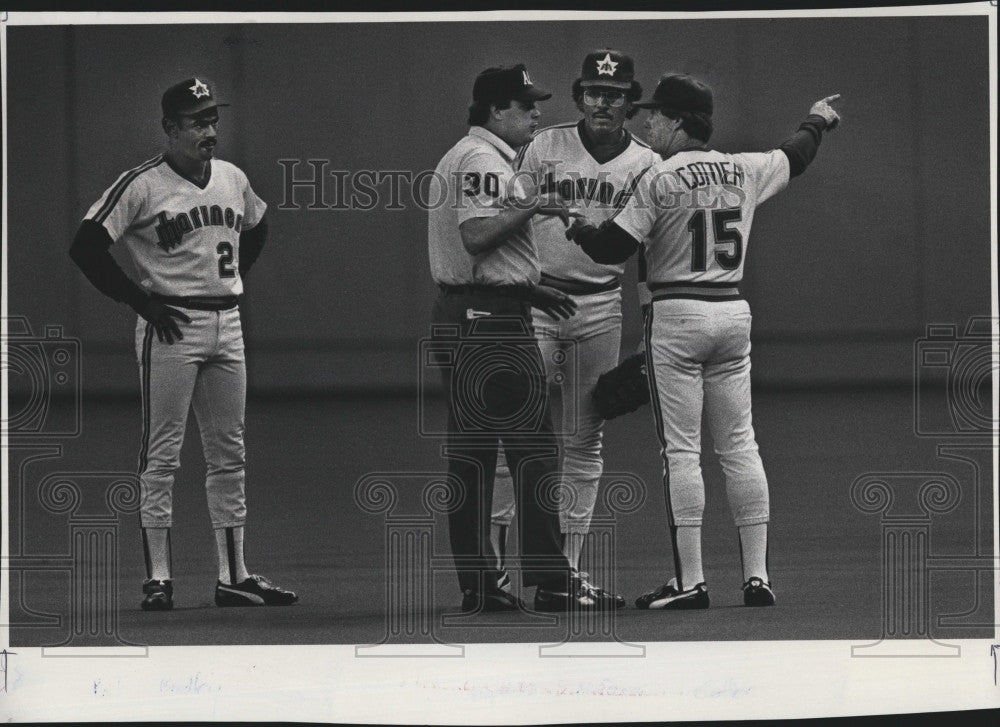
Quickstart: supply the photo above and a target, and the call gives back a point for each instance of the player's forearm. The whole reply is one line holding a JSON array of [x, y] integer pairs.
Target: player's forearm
[[483, 234], [645, 297], [90, 251], [802, 146], [608, 244], [251, 244]]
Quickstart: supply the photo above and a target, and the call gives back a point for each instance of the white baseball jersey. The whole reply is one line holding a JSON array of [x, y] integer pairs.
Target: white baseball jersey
[[694, 211], [184, 238], [562, 164], [480, 182]]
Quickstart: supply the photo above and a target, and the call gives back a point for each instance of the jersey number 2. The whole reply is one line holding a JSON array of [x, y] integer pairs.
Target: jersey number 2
[[225, 250], [724, 234]]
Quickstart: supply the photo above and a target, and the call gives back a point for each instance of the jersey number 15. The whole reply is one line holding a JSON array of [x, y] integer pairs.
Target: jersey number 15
[[724, 235]]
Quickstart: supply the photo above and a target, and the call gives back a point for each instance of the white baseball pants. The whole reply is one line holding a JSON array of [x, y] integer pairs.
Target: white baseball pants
[[206, 370], [576, 352], [699, 354]]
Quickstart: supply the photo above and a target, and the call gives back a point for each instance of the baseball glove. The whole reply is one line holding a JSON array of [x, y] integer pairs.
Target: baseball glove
[[623, 389]]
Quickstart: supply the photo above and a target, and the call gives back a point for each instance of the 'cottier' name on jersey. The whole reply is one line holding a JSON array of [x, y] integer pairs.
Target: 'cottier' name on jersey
[[703, 174], [171, 230]]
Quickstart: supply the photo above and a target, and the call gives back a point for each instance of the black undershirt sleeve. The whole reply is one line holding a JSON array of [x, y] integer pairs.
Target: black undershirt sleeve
[[251, 243], [802, 146], [92, 254], [608, 244]]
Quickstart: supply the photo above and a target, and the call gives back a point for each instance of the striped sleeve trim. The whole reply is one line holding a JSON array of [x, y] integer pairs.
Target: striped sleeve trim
[[116, 192], [519, 159], [629, 191]]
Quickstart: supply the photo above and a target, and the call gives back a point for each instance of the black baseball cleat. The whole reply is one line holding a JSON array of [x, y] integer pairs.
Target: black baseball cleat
[[668, 597], [490, 601], [581, 596], [159, 595], [605, 599], [254, 591], [757, 593], [503, 580]]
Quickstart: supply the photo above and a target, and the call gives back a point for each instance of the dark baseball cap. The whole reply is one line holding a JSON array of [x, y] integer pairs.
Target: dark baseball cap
[[190, 97], [607, 67], [506, 83], [680, 92]]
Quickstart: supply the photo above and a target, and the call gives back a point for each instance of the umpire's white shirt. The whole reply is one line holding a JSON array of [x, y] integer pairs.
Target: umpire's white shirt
[[478, 181]]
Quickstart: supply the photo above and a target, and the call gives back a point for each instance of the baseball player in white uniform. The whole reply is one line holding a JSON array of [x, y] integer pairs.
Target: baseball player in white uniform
[[591, 164], [694, 210], [483, 259], [193, 227]]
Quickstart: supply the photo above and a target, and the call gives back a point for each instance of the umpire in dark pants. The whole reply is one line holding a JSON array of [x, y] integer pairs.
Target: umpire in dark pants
[[484, 261]]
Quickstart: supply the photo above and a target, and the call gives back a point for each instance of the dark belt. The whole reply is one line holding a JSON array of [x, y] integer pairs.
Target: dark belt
[[220, 302], [579, 287], [517, 292], [695, 291]]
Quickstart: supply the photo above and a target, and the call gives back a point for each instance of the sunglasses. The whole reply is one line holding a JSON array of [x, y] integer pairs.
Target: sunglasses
[[611, 98]]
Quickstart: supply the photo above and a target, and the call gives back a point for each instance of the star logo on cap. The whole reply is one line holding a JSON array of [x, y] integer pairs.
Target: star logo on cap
[[199, 89], [606, 66]]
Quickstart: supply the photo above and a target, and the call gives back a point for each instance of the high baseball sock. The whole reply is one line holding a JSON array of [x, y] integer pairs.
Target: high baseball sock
[[229, 543], [498, 537], [572, 547], [687, 541], [753, 551], [156, 549]]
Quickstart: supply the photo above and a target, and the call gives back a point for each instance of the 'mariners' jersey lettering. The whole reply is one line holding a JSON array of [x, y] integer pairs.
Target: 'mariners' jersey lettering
[[183, 238], [171, 230], [565, 167], [576, 189]]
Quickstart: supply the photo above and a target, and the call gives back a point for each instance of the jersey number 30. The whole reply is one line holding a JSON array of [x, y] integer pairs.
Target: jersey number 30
[[225, 250], [724, 235], [490, 184]]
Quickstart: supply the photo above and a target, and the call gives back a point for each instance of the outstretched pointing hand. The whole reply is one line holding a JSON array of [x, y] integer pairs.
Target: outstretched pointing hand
[[823, 108]]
